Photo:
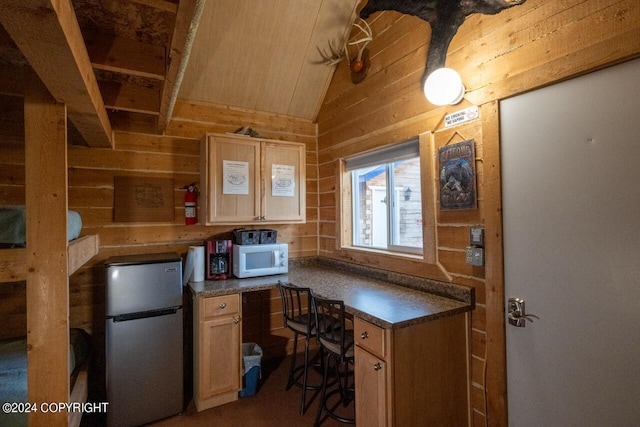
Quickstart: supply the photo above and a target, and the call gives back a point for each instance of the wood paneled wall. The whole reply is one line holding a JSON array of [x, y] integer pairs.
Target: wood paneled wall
[[138, 152], [498, 56]]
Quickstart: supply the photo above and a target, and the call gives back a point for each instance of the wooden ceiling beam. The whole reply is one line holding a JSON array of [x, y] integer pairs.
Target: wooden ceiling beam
[[127, 121], [130, 97], [187, 20], [48, 35], [125, 56]]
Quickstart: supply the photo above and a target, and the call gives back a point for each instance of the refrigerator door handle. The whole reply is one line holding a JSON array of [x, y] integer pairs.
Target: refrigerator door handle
[[145, 314]]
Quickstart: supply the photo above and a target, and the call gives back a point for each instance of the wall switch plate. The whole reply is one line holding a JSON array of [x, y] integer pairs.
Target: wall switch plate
[[478, 257], [476, 236]]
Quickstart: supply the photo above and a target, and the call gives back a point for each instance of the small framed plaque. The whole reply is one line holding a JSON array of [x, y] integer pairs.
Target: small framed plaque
[[140, 199]]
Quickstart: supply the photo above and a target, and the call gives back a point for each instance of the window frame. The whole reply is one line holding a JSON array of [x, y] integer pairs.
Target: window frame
[[348, 209]]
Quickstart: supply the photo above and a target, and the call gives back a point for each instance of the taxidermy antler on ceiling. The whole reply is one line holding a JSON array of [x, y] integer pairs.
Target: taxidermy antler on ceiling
[[444, 16]]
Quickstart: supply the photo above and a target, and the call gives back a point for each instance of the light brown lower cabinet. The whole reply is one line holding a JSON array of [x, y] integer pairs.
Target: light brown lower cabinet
[[217, 350], [415, 375], [371, 389]]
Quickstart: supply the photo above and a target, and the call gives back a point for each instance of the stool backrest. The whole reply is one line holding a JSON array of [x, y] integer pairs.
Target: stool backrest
[[331, 325], [296, 306]]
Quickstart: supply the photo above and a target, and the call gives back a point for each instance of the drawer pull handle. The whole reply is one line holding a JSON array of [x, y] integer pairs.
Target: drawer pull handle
[[223, 305], [364, 335], [377, 367]]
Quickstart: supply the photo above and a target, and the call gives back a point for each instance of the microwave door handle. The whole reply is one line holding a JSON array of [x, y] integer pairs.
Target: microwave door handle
[[274, 258]]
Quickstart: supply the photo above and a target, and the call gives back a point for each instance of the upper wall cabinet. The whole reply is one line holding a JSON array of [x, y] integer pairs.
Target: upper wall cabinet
[[252, 181]]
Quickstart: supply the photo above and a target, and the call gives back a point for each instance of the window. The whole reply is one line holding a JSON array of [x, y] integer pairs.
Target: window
[[386, 196]]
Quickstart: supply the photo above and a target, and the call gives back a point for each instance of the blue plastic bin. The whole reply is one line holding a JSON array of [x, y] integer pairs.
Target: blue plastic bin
[[250, 382], [251, 358]]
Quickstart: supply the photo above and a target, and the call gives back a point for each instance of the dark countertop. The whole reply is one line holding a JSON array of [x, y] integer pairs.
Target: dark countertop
[[389, 300]]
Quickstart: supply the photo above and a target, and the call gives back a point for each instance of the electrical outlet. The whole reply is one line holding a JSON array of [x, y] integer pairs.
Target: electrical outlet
[[469, 255], [474, 256]]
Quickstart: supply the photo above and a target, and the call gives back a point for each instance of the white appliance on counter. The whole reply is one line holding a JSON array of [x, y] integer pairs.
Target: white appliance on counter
[[260, 260]]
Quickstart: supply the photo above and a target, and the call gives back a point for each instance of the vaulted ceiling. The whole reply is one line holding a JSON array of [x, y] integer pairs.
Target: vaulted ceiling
[[113, 61]]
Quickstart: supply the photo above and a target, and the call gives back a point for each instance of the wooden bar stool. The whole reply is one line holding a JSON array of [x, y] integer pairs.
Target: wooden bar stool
[[299, 318], [338, 344]]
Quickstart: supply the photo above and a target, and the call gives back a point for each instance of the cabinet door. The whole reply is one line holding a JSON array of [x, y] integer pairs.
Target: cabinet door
[[233, 174], [284, 179], [371, 389], [219, 356]]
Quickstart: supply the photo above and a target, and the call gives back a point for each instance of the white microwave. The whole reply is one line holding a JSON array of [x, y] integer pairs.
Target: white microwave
[[260, 260]]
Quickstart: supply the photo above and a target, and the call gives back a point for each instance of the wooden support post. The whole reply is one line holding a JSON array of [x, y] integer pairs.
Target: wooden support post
[[46, 255], [496, 359]]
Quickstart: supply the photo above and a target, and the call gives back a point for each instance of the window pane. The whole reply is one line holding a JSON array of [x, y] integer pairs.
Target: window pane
[[407, 206], [370, 207], [375, 210]]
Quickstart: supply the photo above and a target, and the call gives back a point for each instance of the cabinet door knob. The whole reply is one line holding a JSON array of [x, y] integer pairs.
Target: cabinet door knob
[[364, 335], [223, 305], [377, 367], [236, 320]]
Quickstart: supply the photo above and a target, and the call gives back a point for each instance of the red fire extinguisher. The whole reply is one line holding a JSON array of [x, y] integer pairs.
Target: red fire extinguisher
[[190, 204]]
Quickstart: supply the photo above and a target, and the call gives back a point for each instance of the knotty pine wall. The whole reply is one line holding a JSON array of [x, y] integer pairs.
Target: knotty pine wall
[[138, 152], [520, 49]]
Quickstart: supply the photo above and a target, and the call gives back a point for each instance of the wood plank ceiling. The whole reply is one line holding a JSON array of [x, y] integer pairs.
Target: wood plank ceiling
[[255, 55], [263, 55]]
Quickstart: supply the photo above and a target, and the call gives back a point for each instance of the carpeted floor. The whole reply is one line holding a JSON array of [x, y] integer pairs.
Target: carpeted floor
[[271, 406]]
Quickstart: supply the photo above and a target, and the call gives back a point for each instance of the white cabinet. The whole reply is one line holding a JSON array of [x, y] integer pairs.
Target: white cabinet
[[252, 181]]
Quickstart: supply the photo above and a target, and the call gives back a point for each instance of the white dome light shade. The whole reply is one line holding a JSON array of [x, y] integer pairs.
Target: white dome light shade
[[444, 87]]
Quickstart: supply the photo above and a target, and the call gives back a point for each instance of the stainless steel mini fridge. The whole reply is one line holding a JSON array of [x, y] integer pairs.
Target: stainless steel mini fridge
[[144, 369]]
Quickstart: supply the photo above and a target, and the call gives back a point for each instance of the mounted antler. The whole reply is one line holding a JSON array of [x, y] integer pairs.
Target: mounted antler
[[356, 64], [336, 55], [359, 65]]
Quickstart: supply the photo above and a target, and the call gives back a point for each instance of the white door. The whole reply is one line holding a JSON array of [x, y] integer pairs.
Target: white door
[[571, 199]]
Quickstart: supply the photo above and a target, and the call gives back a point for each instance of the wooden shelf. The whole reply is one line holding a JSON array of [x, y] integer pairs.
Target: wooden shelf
[[12, 261], [82, 250]]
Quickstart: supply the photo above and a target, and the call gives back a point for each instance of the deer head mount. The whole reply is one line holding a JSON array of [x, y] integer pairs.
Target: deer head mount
[[359, 64], [444, 16]]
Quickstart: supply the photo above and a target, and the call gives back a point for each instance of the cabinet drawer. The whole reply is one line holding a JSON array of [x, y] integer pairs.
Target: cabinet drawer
[[369, 337], [220, 306]]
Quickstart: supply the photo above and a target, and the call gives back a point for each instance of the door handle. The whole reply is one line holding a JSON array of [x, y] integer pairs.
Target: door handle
[[516, 313]]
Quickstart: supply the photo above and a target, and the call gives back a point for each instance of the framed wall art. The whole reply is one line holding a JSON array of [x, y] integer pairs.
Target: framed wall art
[[143, 199], [457, 176]]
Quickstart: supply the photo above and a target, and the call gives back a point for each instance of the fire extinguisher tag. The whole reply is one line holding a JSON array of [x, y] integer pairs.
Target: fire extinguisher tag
[[189, 210], [190, 204]]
